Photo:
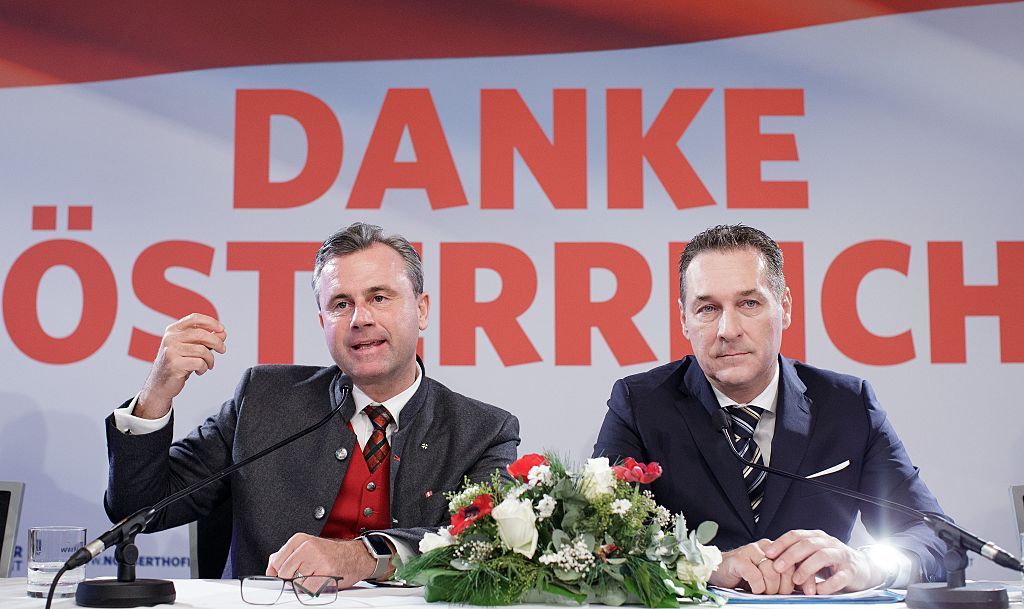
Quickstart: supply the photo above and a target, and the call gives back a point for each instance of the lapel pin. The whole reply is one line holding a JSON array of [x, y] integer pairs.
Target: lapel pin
[[428, 493], [397, 458], [423, 446]]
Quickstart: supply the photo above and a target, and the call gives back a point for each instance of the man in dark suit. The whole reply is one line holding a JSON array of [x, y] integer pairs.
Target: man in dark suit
[[779, 535], [372, 478]]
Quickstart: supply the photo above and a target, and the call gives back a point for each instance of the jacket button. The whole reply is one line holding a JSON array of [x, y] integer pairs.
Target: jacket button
[[341, 454], [367, 512], [372, 486], [319, 512]]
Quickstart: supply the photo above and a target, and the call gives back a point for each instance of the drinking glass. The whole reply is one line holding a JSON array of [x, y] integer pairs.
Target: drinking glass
[[48, 550]]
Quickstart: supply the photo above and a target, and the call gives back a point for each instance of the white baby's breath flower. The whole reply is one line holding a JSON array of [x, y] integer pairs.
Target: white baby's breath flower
[[546, 507], [662, 517], [464, 498], [621, 506]]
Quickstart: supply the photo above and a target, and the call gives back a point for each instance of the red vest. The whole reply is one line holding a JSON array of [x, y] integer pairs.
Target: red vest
[[363, 500]]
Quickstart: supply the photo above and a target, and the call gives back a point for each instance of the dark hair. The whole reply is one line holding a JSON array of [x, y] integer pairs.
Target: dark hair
[[359, 237], [728, 237]]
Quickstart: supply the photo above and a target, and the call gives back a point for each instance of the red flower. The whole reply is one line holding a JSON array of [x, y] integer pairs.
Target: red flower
[[606, 551], [520, 468], [633, 471], [480, 507]]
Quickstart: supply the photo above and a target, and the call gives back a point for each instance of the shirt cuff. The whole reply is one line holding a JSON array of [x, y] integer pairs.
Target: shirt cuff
[[126, 422], [897, 566]]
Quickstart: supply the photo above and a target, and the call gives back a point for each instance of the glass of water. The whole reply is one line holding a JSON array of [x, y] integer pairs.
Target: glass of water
[[48, 550]]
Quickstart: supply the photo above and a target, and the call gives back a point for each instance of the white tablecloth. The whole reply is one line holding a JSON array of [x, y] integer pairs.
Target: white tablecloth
[[224, 594]]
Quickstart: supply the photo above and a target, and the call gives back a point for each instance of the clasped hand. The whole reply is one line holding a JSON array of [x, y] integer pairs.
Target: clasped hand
[[309, 555], [793, 562]]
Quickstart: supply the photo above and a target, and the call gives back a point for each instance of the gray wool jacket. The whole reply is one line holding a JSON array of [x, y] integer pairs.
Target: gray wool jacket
[[442, 438]]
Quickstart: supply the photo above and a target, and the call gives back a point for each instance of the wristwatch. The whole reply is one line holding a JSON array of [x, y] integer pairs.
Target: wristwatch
[[379, 549]]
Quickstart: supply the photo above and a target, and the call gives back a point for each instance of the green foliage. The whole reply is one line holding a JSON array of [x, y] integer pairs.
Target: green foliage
[[612, 548]]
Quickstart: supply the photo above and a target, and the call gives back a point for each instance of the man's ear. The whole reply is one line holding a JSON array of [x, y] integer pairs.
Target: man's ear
[[787, 309], [423, 309]]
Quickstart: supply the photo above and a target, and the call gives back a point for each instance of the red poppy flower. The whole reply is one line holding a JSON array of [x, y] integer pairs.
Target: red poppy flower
[[520, 468], [480, 507], [633, 471]]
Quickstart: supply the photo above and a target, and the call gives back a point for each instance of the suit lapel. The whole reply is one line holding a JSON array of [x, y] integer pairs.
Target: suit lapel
[[709, 441], [413, 424], [793, 423]]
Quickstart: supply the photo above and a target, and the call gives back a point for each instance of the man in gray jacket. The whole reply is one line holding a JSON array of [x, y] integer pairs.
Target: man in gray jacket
[[328, 503]]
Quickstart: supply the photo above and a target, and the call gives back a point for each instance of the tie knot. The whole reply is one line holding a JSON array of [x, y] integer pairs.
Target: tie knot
[[379, 416], [744, 420]]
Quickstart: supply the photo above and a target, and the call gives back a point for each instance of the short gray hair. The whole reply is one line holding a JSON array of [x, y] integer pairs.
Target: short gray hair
[[360, 236], [730, 237]]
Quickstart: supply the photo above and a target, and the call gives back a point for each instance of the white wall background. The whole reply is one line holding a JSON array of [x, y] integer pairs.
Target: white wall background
[[913, 132]]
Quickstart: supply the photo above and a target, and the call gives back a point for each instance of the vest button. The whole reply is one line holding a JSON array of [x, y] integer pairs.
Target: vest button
[[366, 512], [362, 530], [341, 454], [372, 486], [319, 512]]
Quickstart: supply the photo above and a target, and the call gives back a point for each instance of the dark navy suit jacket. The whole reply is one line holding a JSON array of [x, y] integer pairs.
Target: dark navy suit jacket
[[822, 418]]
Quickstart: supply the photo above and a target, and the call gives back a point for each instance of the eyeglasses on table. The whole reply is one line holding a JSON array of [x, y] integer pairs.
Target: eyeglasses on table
[[309, 589]]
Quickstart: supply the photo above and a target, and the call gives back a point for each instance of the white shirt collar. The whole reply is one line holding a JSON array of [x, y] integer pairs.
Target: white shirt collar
[[394, 405], [766, 401]]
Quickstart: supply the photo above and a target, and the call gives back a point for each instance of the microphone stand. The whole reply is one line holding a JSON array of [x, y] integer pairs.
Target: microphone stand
[[956, 593], [126, 590]]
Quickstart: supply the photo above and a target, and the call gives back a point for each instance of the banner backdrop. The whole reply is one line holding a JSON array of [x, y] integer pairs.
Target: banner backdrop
[[550, 192]]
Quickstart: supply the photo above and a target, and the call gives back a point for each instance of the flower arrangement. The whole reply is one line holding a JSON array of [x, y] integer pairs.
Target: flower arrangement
[[552, 534]]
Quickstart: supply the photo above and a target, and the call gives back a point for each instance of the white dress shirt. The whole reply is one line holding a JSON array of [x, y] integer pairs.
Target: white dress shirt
[[766, 402]]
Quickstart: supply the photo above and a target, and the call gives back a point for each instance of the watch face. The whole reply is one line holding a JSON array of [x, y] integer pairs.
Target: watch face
[[378, 545]]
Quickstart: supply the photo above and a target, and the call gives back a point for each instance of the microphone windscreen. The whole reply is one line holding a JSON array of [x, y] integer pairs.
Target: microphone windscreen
[[721, 419]]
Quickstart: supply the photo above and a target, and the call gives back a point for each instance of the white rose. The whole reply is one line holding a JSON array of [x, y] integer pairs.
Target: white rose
[[598, 478], [433, 541], [517, 525], [687, 571]]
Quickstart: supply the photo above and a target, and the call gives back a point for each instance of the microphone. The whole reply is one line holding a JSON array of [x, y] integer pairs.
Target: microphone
[[91, 593], [958, 540]]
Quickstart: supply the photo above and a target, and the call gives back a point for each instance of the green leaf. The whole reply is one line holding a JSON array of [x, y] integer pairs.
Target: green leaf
[[573, 513], [566, 576], [560, 538], [707, 531], [590, 541], [611, 595], [462, 564], [554, 588]]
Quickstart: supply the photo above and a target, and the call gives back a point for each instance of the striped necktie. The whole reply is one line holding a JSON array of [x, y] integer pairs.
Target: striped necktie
[[377, 449], [744, 421]]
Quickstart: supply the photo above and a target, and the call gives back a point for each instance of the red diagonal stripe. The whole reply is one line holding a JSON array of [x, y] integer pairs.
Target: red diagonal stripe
[[52, 41]]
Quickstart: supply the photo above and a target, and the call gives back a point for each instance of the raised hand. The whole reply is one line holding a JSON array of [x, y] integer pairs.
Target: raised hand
[[188, 346]]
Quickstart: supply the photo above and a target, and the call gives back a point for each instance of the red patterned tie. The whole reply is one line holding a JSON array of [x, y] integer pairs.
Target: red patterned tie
[[377, 449]]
